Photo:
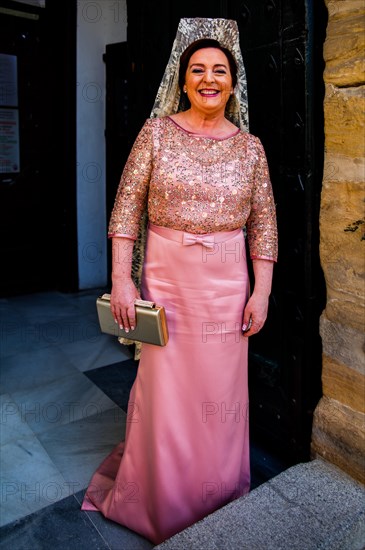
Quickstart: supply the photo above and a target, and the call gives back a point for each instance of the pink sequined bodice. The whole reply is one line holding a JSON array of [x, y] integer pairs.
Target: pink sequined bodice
[[197, 184]]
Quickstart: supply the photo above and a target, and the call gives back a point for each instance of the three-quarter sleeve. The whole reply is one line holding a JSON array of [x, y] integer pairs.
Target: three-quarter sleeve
[[131, 197], [261, 223]]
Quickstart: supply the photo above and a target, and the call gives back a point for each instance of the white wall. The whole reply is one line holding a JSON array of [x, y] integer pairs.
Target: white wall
[[99, 23]]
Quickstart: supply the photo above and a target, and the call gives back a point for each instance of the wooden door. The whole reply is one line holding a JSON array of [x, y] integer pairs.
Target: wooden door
[[38, 190]]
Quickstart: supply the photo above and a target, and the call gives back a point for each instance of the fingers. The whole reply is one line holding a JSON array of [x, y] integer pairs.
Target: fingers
[[128, 320], [125, 316], [124, 312], [130, 323], [247, 325], [123, 296], [254, 315], [117, 314], [252, 323], [252, 328]]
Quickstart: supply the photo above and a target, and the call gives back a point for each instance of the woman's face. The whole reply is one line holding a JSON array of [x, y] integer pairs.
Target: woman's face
[[208, 81]]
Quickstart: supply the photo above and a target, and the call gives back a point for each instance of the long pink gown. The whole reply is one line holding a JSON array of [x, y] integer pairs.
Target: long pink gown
[[186, 449]]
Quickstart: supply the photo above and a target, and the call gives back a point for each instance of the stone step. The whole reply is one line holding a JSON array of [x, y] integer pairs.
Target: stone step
[[310, 506]]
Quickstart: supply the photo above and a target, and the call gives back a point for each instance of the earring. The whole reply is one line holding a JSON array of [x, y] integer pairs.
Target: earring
[[184, 90]]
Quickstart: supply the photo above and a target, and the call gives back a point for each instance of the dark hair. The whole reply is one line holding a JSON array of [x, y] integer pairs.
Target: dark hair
[[199, 45]]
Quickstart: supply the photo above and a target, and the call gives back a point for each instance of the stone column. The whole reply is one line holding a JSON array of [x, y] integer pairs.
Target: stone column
[[339, 422]]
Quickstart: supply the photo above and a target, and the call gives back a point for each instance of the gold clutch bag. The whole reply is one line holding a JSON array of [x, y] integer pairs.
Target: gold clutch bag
[[151, 326]]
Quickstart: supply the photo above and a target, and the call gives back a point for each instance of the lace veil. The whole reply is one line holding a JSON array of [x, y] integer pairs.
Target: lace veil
[[167, 100]]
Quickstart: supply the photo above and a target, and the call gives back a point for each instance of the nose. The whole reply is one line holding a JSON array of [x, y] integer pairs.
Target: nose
[[209, 75]]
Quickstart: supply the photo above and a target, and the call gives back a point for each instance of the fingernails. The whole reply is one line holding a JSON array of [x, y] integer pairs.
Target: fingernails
[[132, 327], [121, 327], [244, 327], [126, 329]]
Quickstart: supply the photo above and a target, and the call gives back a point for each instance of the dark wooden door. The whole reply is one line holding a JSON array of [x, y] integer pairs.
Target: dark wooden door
[[281, 42], [38, 194]]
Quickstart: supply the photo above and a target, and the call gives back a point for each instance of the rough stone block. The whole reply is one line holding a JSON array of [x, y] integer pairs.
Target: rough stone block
[[343, 384], [344, 120], [339, 9], [342, 243], [343, 344], [345, 308], [338, 436], [344, 47], [340, 168]]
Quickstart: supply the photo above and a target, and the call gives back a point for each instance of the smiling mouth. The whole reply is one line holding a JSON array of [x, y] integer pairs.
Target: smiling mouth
[[209, 93]]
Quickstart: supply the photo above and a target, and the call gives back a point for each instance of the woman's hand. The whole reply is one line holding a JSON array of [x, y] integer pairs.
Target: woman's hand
[[124, 291], [122, 298], [255, 314]]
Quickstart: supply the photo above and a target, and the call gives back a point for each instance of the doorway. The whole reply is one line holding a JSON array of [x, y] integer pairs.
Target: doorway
[[38, 158], [281, 43]]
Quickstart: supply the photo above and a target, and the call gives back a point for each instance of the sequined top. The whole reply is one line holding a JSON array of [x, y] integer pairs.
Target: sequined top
[[197, 184]]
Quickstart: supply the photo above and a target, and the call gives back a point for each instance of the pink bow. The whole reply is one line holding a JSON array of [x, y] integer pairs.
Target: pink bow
[[204, 240]]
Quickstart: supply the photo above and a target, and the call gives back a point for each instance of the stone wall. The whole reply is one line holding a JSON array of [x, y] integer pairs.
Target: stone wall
[[339, 422]]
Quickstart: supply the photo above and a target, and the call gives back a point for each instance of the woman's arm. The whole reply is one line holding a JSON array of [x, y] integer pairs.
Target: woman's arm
[[263, 243], [256, 308], [131, 197], [261, 224], [124, 291], [129, 204]]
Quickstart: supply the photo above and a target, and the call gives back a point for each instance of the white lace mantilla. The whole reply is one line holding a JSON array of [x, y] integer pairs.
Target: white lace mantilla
[[226, 32]]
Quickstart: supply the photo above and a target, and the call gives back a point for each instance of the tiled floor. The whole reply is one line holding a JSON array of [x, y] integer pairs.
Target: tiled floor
[[57, 424], [64, 392]]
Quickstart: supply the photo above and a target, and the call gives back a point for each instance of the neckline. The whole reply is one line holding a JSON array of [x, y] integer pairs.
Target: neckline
[[202, 135]]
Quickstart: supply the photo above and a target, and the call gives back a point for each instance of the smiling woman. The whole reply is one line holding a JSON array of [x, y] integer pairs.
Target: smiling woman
[[207, 75], [201, 179]]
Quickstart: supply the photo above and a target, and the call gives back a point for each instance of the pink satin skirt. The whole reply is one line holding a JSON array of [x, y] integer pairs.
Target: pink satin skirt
[[186, 449]]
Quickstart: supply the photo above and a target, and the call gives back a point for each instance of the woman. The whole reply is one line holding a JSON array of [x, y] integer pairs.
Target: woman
[[186, 451]]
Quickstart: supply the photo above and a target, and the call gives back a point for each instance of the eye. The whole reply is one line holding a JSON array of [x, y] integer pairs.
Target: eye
[[220, 71], [197, 71]]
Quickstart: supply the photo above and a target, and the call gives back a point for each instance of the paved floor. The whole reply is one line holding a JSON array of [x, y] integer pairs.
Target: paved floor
[[64, 393], [311, 506]]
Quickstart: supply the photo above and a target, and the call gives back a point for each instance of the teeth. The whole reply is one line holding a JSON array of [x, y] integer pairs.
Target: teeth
[[209, 92]]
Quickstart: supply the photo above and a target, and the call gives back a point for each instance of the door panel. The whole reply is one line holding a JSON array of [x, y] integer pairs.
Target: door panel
[[285, 105], [37, 204]]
